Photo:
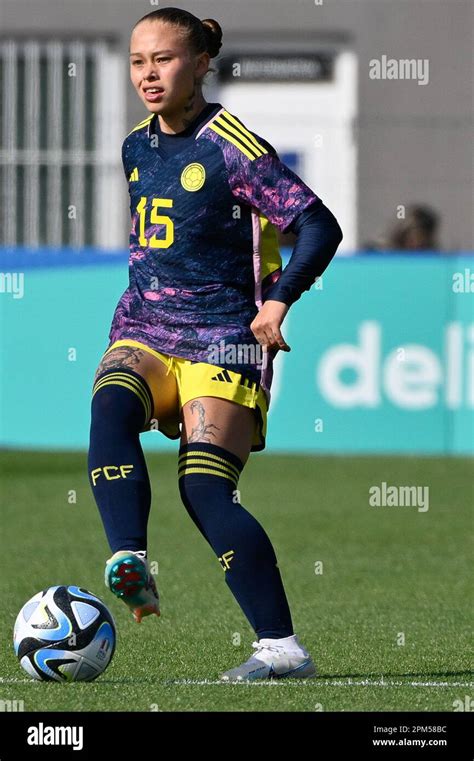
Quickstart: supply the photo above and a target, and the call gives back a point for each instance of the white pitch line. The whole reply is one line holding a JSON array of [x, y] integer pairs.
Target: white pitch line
[[272, 682], [324, 683], [17, 681], [319, 683], [392, 683]]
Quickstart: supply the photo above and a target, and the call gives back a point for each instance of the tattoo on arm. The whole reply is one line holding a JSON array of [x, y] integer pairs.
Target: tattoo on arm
[[123, 356], [202, 431]]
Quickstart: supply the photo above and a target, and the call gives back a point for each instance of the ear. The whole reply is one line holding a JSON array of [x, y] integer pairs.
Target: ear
[[202, 64]]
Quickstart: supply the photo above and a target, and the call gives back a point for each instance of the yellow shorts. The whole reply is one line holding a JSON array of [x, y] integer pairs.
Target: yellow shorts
[[195, 379]]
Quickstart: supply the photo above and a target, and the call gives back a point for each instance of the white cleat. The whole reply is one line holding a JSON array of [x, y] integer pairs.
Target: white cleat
[[274, 659]]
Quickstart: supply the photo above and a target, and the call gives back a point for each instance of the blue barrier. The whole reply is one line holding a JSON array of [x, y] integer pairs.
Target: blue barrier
[[382, 353]]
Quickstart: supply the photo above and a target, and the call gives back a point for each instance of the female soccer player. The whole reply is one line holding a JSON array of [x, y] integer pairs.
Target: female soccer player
[[194, 335]]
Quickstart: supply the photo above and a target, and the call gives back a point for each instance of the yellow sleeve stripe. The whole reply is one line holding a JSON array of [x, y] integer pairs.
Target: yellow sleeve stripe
[[239, 124], [241, 136], [233, 140], [229, 127], [142, 124]]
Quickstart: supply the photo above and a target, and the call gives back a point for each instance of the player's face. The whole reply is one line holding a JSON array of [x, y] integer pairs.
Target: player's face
[[160, 60]]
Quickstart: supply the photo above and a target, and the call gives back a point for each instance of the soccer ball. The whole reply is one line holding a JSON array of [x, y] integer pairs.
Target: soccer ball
[[64, 634]]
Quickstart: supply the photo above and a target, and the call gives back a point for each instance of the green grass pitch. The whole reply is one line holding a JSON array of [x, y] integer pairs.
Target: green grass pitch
[[388, 573]]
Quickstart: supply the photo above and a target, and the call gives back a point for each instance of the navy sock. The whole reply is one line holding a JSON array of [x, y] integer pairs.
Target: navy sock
[[208, 477], [122, 404]]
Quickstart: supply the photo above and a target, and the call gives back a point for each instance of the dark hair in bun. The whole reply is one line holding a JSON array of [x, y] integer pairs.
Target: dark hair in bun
[[213, 33], [203, 36]]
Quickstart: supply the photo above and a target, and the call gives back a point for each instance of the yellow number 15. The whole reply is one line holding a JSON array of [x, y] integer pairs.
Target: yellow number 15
[[155, 219]]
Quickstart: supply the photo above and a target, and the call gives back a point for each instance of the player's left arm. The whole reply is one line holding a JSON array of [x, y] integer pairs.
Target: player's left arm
[[275, 190], [318, 237]]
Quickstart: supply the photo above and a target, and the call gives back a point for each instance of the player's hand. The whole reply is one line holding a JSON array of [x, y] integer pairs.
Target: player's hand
[[266, 325]]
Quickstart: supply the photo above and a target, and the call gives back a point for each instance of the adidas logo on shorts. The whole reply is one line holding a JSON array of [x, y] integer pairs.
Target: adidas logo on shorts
[[225, 377]]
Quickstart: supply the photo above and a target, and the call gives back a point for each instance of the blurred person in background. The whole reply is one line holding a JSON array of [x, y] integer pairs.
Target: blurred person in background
[[418, 231]]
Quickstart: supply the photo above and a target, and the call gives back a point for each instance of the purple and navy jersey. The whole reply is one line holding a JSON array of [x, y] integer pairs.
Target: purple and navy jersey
[[203, 244]]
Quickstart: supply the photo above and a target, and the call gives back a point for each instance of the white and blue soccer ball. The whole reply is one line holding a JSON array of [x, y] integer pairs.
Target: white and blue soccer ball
[[64, 634]]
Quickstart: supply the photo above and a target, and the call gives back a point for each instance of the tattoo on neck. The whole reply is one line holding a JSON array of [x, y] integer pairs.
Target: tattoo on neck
[[190, 109], [190, 104], [186, 122]]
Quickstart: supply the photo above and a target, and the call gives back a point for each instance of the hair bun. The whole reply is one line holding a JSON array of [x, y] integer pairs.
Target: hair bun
[[213, 33]]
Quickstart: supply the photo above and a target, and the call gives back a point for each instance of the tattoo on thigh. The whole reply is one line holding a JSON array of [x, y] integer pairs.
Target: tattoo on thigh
[[123, 356], [202, 431]]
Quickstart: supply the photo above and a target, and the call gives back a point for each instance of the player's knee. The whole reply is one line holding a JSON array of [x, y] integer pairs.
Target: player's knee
[[121, 397], [207, 474]]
